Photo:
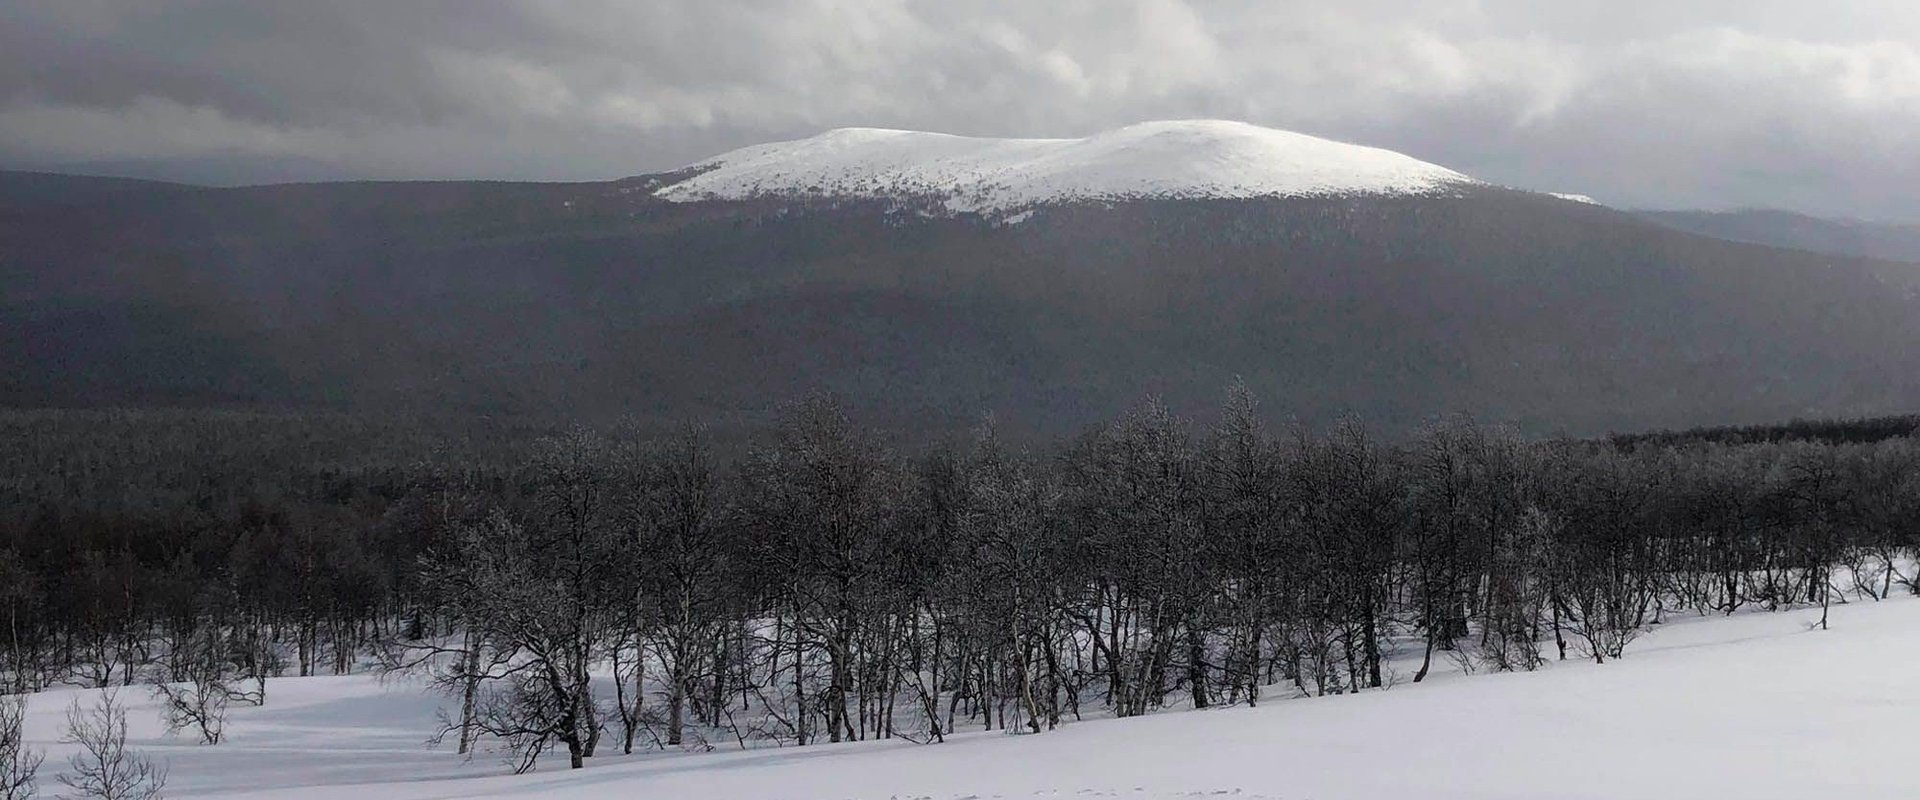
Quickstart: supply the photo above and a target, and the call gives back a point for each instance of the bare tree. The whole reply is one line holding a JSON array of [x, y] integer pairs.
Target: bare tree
[[1246, 515], [198, 700], [18, 764], [821, 501], [524, 594], [104, 769], [1005, 526], [678, 565], [255, 657], [19, 593]]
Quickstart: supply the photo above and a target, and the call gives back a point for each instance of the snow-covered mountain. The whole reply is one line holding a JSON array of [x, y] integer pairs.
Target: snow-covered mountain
[[1177, 159]]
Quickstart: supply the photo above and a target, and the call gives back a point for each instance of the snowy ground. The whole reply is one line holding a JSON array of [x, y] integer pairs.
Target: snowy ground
[[1756, 706]]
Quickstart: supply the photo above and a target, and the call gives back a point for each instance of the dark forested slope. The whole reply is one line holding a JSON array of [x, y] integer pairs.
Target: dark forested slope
[[598, 300]]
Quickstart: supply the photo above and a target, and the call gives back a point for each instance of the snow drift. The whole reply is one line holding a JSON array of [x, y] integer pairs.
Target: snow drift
[[1180, 159]]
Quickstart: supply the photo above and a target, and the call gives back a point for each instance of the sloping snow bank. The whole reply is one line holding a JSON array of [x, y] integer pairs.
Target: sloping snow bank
[[1757, 706]]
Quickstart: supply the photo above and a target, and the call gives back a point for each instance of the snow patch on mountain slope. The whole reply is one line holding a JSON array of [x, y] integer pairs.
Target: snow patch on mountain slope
[[1182, 159]]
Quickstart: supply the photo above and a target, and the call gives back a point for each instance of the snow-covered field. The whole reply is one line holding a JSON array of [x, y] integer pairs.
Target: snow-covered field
[[1755, 706], [1185, 159]]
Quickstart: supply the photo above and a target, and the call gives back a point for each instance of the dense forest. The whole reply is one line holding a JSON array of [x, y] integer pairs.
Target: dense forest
[[584, 590]]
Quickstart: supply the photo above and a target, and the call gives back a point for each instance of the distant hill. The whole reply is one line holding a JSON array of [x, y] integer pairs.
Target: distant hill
[[1890, 241], [212, 169], [21, 190], [603, 299]]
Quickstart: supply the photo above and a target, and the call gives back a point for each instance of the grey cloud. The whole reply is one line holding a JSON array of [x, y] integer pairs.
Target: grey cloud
[[1711, 103]]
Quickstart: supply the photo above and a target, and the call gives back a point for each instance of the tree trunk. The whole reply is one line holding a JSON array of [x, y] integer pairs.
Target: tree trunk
[[676, 702], [469, 693], [1197, 667], [1426, 660]]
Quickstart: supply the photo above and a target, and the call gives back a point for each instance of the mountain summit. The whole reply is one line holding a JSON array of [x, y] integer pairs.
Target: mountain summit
[[1153, 160]]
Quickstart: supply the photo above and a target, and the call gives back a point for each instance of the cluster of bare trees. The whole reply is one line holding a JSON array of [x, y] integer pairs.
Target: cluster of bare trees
[[622, 589], [157, 547], [825, 588], [19, 764], [102, 765]]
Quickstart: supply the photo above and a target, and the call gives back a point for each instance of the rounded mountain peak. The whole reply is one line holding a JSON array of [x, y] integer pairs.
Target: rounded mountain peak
[[1163, 159]]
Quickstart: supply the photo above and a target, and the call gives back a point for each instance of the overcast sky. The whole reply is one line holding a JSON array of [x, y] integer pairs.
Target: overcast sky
[[1813, 106]]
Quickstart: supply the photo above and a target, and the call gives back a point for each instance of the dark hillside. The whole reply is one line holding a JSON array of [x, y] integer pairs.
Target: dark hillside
[[595, 299]]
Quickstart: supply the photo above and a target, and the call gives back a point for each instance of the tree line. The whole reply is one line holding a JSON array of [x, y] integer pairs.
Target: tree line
[[592, 589]]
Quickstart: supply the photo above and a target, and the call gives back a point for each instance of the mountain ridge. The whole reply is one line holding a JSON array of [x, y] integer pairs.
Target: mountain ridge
[[1798, 231]]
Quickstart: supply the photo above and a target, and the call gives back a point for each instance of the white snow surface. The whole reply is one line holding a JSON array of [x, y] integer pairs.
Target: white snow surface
[[1756, 706], [1172, 159]]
